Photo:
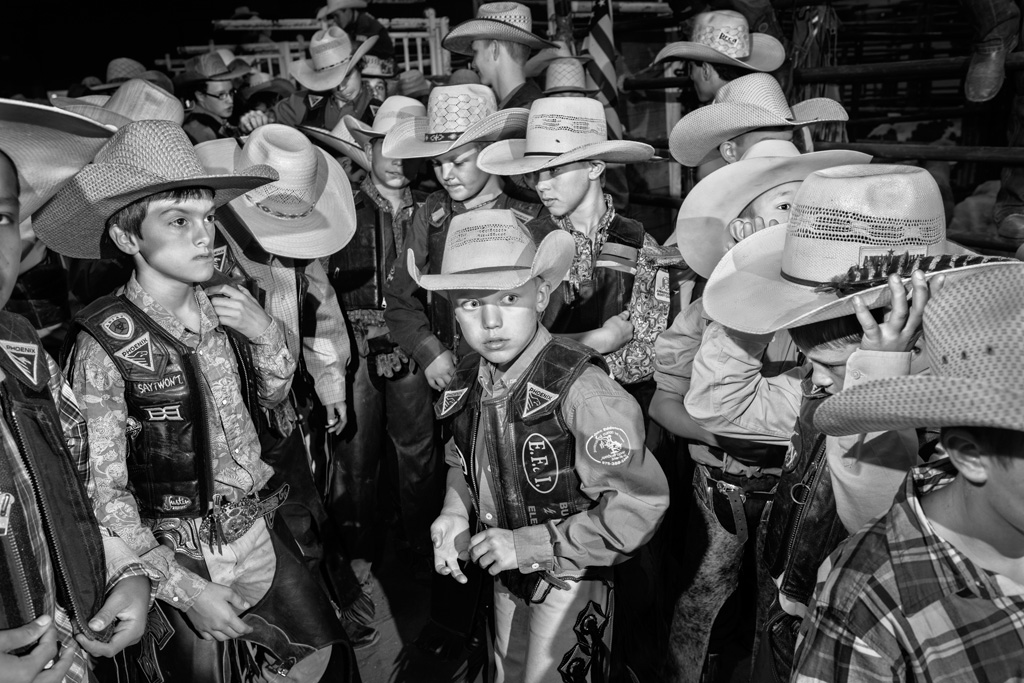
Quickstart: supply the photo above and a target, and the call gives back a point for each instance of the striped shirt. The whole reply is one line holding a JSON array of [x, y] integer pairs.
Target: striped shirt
[[902, 604]]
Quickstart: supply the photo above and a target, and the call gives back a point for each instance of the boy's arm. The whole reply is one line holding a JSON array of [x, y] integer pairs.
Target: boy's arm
[[728, 396], [273, 363], [449, 534], [327, 349]]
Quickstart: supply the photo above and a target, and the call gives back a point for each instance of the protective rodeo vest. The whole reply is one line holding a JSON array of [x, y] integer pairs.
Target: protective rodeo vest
[[357, 272], [530, 450], [170, 465], [65, 514]]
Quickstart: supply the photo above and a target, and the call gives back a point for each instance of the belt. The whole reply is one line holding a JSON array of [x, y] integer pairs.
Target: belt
[[228, 522], [736, 496]]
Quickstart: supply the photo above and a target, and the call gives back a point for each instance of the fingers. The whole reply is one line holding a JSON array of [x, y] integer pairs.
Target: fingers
[[238, 602], [13, 638], [60, 668], [44, 652], [898, 308], [866, 320], [919, 287]]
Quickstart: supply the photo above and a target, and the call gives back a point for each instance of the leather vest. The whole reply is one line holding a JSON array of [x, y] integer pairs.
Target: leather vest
[[41, 293], [316, 114], [804, 526], [611, 288], [170, 465], [66, 514], [530, 449], [357, 272]]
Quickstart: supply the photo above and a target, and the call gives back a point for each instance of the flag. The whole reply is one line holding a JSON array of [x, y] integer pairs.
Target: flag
[[600, 45]]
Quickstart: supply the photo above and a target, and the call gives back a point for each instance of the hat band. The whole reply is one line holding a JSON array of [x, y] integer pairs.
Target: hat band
[[330, 66], [286, 216], [442, 137]]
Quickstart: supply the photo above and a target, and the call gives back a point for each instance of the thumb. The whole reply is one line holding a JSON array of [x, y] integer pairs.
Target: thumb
[[238, 602], [436, 539], [12, 639]]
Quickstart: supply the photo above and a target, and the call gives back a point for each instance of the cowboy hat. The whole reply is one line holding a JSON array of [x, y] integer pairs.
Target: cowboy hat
[[159, 79], [260, 82], [724, 37], [143, 158], [210, 67], [338, 140], [47, 146], [333, 6], [375, 67], [561, 131], [119, 70], [536, 64], [413, 83], [456, 116], [508, 21], [463, 76], [331, 59], [743, 105], [847, 224], [975, 333], [134, 100], [491, 249], [351, 134], [308, 212], [702, 224], [565, 75]]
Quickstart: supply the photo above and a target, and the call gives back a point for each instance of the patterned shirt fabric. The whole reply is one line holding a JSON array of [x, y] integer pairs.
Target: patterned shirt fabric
[[237, 468], [897, 602]]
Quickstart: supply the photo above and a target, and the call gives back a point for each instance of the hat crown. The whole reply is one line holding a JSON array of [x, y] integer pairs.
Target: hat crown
[[140, 100], [373, 65], [511, 13], [850, 216], [329, 48], [297, 163], [565, 74], [394, 109], [758, 90], [724, 31], [208, 66], [487, 239], [558, 125], [158, 148], [451, 109], [122, 69]]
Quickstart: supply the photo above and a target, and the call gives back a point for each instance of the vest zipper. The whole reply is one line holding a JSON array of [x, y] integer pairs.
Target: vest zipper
[[472, 465], [818, 453], [11, 545], [189, 357]]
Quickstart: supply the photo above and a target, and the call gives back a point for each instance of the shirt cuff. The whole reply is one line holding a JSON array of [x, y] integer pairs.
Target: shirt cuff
[[272, 336], [427, 351], [534, 551], [177, 586], [863, 366], [135, 569]]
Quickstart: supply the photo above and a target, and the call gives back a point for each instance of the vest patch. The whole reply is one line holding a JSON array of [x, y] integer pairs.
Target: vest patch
[[521, 215], [175, 380], [662, 290], [132, 427], [539, 463], [449, 400], [139, 352], [168, 413], [218, 257], [314, 100], [608, 446], [23, 356], [537, 399], [119, 326], [6, 507], [437, 215], [173, 502]]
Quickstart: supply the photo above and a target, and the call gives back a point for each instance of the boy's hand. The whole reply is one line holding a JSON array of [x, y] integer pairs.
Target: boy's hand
[[618, 332], [251, 120], [494, 550], [742, 228], [450, 536], [901, 326], [29, 667], [238, 309], [128, 605], [337, 417], [440, 371], [215, 613]]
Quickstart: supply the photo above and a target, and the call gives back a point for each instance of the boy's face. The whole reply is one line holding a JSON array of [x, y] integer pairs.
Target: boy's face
[[774, 204], [828, 363], [458, 173], [349, 89], [177, 240], [484, 62], [499, 325], [10, 219], [387, 172], [563, 188], [218, 97]]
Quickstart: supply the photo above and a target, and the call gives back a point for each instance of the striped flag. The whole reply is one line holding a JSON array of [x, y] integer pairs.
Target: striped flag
[[600, 45]]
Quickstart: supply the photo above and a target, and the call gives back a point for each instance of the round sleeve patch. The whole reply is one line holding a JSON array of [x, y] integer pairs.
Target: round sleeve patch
[[608, 446]]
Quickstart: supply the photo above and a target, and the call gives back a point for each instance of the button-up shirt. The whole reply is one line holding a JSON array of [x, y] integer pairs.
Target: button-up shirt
[[234, 444], [900, 603]]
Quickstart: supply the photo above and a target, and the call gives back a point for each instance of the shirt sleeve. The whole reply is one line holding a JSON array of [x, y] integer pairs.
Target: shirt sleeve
[[327, 350], [615, 470], [291, 110], [675, 348], [728, 396], [405, 315], [273, 363], [828, 650]]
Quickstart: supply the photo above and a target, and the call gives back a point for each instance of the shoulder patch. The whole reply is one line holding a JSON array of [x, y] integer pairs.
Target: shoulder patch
[[373, 109], [24, 356], [315, 100], [521, 215], [438, 214], [537, 399], [608, 446], [119, 326], [139, 352], [450, 399]]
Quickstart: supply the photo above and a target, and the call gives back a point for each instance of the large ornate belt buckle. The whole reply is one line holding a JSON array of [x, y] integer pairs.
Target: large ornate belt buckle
[[228, 522]]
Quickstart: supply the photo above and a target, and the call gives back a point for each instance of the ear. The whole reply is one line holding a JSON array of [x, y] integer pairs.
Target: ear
[[966, 455], [368, 150], [543, 296], [123, 240], [596, 169], [729, 151], [706, 71]]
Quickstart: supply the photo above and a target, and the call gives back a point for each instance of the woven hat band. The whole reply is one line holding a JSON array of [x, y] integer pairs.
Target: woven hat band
[[289, 152], [442, 137], [511, 13], [452, 109], [723, 31], [330, 48], [554, 134]]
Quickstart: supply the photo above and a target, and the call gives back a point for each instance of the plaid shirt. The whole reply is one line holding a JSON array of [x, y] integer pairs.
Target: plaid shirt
[[902, 604]]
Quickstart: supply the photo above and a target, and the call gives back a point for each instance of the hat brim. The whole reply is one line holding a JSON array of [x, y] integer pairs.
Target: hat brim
[[189, 77], [360, 131], [337, 144], [701, 226], [536, 64], [330, 78], [933, 401], [508, 157], [551, 263], [48, 146], [327, 9], [766, 54], [570, 88], [322, 232], [746, 291], [460, 39], [275, 86], [406, 139], [97, 113]]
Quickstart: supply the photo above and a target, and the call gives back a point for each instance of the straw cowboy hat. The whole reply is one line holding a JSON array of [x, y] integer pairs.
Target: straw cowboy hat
[[351, 134], [975, 333], [210, 67], [375, 67], [491, 249], [141, 159], [134, 100], [564, 71], [260, 82], [724, 37], [308, 212], [119, 70], [413, 83], [47, 146], [746, 104], [456, 116], [331, 59], [495, 21], [561, 131], [848, 224], [463, 76], [339, 139], [702, 224], [159, 79], [333, 6]]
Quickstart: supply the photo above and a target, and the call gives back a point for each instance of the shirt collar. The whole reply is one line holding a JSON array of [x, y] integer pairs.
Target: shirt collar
[[208, 320], [508, 380], [371, 191], [602, 227]]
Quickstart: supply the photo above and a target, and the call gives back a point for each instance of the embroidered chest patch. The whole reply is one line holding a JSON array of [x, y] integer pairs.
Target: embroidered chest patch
[[540, 465]]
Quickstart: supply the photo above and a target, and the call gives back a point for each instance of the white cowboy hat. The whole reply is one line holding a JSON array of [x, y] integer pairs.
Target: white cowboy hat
[[456, 116], [413, 83], [375, 67], [308, 212], [351, 134], [702, 224], [333, 6], [134, 100], [561, 131], [119, 70], [848, 225], [492, 249], [536, 64], [141, 159], [566, 74], [495, 21], [724, 37], [47, 146], [331, 59], [975, 333], [743, 105], [339, 139]]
